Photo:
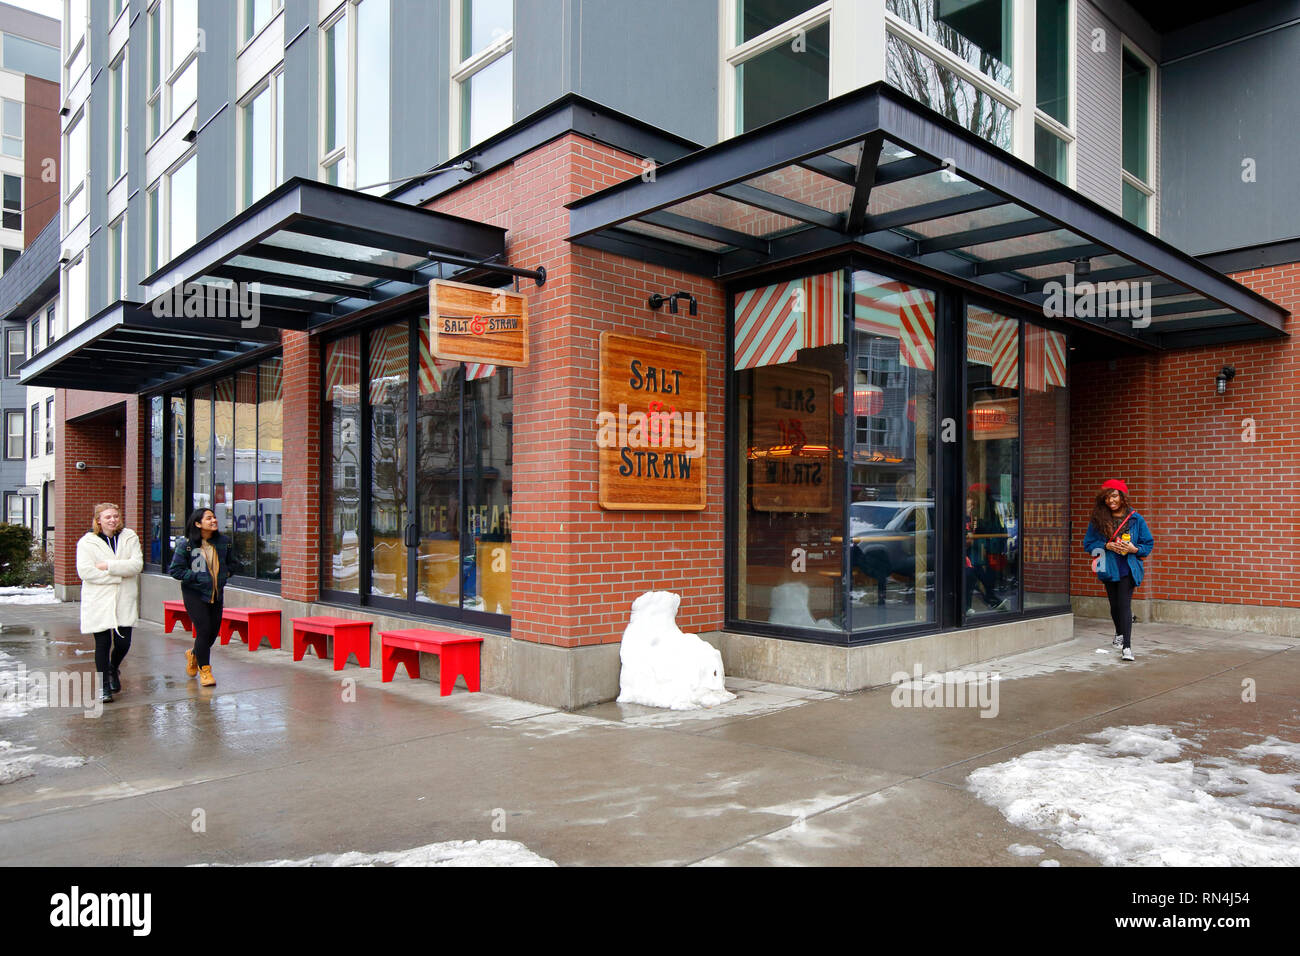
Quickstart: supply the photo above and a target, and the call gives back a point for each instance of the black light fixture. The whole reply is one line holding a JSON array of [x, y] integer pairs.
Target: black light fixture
[[1226, 375], [1082, 266], [657, 301]]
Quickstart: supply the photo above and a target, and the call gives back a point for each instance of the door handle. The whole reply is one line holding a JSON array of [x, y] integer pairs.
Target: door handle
[[412, 536]]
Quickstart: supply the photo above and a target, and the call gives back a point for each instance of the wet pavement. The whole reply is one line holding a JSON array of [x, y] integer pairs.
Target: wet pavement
[[285, 760]]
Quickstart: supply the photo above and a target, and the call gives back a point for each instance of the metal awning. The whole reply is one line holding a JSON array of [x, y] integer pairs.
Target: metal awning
[[126, 348], [874, 169], [316, 252], [305, 255]]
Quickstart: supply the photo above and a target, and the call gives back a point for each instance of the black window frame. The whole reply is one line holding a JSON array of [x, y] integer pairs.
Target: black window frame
[[33, 439]]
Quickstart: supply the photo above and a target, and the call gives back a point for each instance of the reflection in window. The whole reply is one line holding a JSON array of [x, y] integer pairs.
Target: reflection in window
[[157, 438], [977, 31], [783, 80], [243, 524], [341, 437], [202, 449], [942, 90], [179, 509], [438, 472], [389, 502], [487, 488], [991, 509], [1046, 434], [270, 455], [789, 358], [891, 513]]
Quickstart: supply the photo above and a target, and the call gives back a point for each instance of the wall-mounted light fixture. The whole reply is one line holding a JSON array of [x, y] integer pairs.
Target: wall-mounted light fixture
[[657, 300], [1082, 267], [1226, 375]]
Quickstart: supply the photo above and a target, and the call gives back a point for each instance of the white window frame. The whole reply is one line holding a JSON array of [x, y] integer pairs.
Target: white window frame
[[242, 23], [74, 189], [734, 55], [118, 225], [169, 114], [80, 47], [161, 192], [168, 74], [1148, 187], [34, 336], [19, 415], [66, 299], [462, 71], [339, 154], [120, 107], [13, 332], [34, 434], [270, 86], [154, 51], [49, 425], [1065, 133], [22, 137]]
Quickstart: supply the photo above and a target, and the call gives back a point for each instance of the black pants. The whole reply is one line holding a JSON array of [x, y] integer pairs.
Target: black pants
[[111, 648], [1121, 606], [206, 618]]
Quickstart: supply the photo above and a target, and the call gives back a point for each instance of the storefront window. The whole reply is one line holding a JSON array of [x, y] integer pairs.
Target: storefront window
[[487, 489], [1046, 434], [991, 486], [201, 441], [243, 523], [269, 457], [389, 460], [892, 511], [223, 454], [179, 507], [157, 439], [790, 361], [439, 570], [341, 424]]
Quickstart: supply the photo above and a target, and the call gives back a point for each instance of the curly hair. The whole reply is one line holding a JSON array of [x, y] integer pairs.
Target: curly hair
[[1105, 520]]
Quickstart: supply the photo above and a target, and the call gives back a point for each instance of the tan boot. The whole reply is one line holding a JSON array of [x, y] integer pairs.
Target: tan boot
[[191, 663], [205, 676]]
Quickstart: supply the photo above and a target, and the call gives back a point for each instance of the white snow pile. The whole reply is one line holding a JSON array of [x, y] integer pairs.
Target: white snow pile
[[452, 853], [662, 667], [14, 701], [1132, 798], [28, 596], [17, 762]]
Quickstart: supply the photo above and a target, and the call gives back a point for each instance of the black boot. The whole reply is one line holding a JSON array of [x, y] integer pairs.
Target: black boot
[[106, 695], [115, 681]]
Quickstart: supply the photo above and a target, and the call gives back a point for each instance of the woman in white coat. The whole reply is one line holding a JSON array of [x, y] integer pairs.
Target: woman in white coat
[[108, 560]]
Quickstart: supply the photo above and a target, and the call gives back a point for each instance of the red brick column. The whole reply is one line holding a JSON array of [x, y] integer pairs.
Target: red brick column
[[300, 554], [100, 442], [135, 465]]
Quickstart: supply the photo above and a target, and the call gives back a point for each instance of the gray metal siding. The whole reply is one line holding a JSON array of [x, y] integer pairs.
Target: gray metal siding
[[1221, 107], [216, 119], [418, 92], [1099, 155], [657, 62], [300, 92], [543, 53]]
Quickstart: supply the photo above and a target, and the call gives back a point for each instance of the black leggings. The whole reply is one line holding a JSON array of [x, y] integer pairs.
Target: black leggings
[[206, 618], [1121, 606], [119, 646]]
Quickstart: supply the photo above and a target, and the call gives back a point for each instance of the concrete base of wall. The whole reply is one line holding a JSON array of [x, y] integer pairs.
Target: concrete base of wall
[[1283, 621], [843, 669], [67, 592]]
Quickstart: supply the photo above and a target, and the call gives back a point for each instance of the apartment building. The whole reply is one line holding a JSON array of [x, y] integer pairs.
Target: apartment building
[[774, 204], [29, 157]]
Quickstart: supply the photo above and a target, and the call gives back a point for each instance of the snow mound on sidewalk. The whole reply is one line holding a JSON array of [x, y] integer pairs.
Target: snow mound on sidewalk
[[662, 667], [17, 762], [451, 853], [28, 596], [1133, 798]]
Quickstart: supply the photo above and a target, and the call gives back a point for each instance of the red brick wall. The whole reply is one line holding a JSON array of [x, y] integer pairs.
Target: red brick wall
[[100, 442], [40, 148], [1225, 513], [576, 568], [300, 545]]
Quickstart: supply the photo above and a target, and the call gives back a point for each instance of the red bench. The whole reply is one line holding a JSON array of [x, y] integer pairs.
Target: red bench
[[458, 655], [173, 613], [350, 637], [251, 624]]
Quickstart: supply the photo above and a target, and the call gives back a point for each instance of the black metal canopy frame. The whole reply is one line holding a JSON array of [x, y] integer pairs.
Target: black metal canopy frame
[[874, 169], [306, 255]]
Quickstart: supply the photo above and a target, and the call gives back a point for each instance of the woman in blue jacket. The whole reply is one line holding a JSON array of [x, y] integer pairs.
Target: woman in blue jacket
[[1118, 539], [203, 561]]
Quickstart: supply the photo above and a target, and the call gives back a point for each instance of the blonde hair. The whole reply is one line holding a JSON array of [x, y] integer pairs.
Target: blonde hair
[[100, 509]]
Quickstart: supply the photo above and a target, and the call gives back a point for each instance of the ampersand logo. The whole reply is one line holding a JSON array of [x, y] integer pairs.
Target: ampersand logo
[[478, 325]]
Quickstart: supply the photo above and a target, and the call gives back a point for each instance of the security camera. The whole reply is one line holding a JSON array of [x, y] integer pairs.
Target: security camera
[[81, 466]]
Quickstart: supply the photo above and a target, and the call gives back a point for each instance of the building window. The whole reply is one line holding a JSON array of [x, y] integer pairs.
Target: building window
[[1137, 93], [49, 324], [116, 259], [75, 26], [155, 72], [11, 144], [15, 434], [955, 58], [118, 90], [76, 166], [13, 202], [174, 42], [233, 462], [255, 14], [15, 512], [34, 337], [354, 102], [261, 136], [1053, 125], [482, 76], [8, 257], [779, 60], [36, 430], [22, 55], [173, 206], [75, 293], [15, 350], [49, 425]]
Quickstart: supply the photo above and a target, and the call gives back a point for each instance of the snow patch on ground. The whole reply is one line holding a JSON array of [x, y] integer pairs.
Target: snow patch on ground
[[557, 724], [13, 675], [664, 667], [451, 853], [1140, 795], [28, 596], [1020, 849], [17, 762]]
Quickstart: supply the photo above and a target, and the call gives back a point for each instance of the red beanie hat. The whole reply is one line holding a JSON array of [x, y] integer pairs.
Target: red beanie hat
[[1117, 485]]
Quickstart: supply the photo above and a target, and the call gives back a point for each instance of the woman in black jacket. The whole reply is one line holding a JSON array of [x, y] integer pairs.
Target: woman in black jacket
[[203, 562]]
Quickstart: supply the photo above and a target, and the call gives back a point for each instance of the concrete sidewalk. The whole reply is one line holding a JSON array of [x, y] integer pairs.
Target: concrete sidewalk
[[278, 763]]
